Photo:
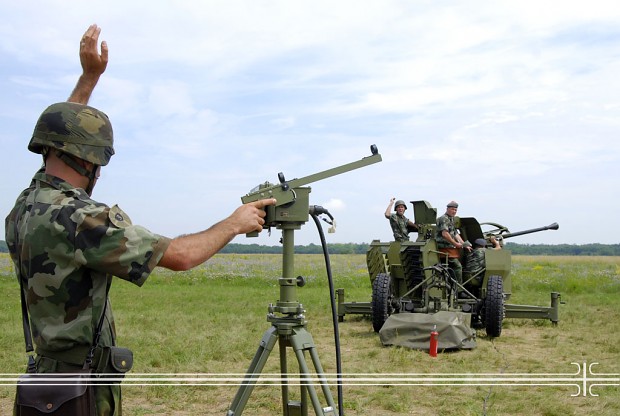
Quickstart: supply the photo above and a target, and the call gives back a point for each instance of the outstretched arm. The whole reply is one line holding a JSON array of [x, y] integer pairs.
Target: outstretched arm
[[188, 251], [93, 65]]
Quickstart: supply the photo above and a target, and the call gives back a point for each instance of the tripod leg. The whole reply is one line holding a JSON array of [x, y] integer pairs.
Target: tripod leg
[[284, 375], [302, 341], [256, 367], [319, 370]]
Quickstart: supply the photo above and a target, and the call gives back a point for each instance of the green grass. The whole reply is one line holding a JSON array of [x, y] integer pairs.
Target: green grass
[[211, 320]]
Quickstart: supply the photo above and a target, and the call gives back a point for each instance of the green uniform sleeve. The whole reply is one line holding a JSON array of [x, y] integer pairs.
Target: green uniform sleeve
[[108, 242]]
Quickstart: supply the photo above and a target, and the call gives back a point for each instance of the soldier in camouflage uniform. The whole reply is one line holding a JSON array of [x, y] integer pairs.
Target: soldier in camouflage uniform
[[448, 237], [401, 225], [66, 247], [475, 264]]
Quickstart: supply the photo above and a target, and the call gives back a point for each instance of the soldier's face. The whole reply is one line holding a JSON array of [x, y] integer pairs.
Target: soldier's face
[[451, 211], [400, 210]]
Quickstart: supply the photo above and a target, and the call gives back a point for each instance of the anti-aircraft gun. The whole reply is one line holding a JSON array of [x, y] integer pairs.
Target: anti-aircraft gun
[[414, 289]]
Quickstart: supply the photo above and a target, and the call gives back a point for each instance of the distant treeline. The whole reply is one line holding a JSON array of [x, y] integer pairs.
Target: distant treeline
[[564, 249], [517, 249], [349, 248], [356, 248]]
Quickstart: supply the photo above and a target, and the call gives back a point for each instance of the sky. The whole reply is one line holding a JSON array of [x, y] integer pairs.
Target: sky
[[510, 108]]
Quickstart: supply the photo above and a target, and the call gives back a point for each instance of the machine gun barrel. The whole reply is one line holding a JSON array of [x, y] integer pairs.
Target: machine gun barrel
[[553, 226], [294, 183], [292, 203], [283, 192]]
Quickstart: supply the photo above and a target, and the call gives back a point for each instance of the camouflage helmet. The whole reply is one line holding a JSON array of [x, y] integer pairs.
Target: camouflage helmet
[[452, 204], [76, 129], [400, 202]]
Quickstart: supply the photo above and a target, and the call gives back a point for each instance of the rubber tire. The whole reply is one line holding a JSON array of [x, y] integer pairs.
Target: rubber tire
[[381, 294], [494, 306]]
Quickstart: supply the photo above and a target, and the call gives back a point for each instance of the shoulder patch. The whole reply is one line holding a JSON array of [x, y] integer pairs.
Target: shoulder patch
[[118, 217]]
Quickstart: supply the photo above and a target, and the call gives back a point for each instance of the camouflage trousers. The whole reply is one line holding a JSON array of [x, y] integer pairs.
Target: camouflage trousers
[[107, 397], [457, 268]]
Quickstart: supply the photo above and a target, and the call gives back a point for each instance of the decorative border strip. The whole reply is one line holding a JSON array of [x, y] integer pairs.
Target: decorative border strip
[[584, 379]]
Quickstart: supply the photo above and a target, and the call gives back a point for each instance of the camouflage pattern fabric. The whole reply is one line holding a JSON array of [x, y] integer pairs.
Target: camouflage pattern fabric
[[475, 262], [76, 129], [457, 268], [399, 227], [448, 223], [445, 223], [70, 247]]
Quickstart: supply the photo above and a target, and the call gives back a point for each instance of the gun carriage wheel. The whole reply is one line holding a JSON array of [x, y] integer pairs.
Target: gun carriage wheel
[[494, 306], [381, 300]]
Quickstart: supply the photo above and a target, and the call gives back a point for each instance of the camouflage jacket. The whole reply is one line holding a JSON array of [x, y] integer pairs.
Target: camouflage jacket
[[475, 261], [399, 227], [445, 223], [67, 247]]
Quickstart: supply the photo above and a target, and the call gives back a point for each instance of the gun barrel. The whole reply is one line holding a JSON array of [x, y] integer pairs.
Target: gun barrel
[[553, 226], [283, 191], [293, 183]]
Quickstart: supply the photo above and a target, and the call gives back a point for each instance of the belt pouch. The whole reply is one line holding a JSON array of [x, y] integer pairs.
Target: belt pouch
[[55, 394], [114, 362]]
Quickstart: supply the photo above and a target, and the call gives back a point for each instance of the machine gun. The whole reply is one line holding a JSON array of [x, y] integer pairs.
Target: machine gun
[[287, 315], [292, 206]]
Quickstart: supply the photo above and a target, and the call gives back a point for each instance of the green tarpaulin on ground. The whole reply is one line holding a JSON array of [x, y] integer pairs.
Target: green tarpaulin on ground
[[412, 330]]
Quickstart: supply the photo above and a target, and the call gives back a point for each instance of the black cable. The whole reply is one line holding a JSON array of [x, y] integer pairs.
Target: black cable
[[332, 296]]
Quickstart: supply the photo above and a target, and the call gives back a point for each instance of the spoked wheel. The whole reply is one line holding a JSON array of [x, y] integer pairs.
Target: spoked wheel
[[381, 296], [494, 306]]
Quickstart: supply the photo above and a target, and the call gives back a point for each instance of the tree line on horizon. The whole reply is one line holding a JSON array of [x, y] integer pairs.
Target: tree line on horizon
[[594, 249]]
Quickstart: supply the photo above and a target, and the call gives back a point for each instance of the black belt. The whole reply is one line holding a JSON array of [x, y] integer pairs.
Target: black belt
[[74, 356]]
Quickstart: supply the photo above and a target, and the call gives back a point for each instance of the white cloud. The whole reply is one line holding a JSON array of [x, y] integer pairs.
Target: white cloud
[[335, 205]]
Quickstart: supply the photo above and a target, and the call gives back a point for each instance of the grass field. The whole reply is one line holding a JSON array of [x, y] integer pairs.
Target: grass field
[[210, 321]]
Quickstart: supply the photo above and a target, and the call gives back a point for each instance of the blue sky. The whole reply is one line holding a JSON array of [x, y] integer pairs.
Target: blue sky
[[510, 108]]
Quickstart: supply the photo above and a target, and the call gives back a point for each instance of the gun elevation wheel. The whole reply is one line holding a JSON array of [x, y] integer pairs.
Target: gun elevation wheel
[[494, 306], [381, 297]]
